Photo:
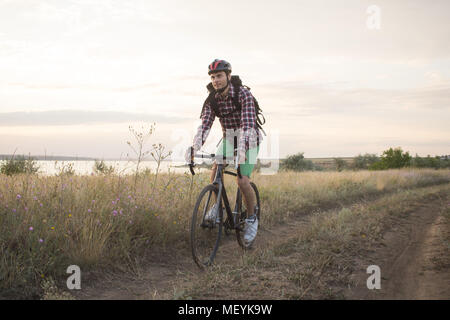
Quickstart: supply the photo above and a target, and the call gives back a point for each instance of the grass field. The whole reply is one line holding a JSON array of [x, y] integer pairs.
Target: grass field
[[114, 222]]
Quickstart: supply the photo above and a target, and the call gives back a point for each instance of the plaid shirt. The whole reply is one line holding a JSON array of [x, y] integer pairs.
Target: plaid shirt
[[232, 120]]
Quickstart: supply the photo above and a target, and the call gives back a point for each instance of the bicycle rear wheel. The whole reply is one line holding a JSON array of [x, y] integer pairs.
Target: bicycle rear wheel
[[243, 215], [205, 235]]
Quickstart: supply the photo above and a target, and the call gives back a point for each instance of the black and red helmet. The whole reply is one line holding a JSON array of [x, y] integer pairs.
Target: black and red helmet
[[219, 65]]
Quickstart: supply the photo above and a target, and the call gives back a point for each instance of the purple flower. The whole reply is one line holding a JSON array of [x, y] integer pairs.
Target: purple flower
[[41, 240], [115, 213], [31, 228], [89, 210], [19, 196]]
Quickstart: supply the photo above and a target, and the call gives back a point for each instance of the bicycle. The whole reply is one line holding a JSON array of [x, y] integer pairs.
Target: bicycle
[[206, 235]]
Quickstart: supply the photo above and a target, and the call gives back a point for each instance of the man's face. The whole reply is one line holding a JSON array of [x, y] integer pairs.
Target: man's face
[[219, 79]]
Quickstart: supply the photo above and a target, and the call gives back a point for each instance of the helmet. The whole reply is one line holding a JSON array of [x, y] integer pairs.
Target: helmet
[[219, 65]]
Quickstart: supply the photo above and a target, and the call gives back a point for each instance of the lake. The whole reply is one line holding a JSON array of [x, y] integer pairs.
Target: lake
[[122, 167]]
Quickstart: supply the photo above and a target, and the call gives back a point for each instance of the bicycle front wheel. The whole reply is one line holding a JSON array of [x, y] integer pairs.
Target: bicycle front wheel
[[205, 235]]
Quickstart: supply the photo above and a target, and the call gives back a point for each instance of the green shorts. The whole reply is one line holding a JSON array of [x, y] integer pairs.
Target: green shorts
[[227, 149]]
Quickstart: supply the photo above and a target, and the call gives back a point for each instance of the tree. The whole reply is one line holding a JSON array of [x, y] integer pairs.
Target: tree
[[364, 161], [297, 162], [392, 159]]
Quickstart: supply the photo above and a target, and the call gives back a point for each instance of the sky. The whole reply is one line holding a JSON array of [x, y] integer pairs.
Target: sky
[[333, 78]]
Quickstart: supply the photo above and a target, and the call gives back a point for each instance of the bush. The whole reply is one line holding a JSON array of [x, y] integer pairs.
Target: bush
[[340, 164], [297, 162], [364, 161], [19, 164], [65, 169], [392, 159], [101, 168], [436, 162]]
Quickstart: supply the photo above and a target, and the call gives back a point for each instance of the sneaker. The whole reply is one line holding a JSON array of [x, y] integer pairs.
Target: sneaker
[[250, 229], [212, 215]]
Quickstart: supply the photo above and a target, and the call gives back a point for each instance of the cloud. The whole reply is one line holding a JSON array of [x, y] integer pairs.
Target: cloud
[[150, 85], [323, 98], [76, 117]]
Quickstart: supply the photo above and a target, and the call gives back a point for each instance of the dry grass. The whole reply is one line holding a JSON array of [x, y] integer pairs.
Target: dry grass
[[316, 260], [48, 223]]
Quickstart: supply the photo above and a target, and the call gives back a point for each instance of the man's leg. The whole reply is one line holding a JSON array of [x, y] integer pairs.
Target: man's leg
[[244, 183], [248, 194]]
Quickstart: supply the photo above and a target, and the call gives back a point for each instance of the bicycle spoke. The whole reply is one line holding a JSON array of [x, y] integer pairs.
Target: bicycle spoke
[[205, 236]]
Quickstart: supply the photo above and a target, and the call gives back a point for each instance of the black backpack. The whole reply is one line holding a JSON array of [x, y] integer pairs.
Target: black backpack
[[237, 84]]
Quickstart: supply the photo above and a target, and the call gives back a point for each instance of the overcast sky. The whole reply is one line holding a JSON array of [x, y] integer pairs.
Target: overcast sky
[[334, 78]]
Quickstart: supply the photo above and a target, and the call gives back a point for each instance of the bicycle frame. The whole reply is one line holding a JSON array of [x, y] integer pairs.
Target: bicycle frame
[[231, 215], [218, 180]]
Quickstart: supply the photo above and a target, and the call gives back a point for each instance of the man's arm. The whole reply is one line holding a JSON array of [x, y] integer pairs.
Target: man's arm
[[203, 130], [248, 133]]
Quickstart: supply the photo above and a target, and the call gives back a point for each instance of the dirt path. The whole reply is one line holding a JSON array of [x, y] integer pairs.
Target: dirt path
[[413, 256]]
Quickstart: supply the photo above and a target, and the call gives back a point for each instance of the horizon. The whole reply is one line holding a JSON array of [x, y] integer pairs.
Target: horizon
[[332, 79]]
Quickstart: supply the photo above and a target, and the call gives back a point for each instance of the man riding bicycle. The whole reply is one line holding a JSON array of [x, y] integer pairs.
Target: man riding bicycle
[[235, 123]]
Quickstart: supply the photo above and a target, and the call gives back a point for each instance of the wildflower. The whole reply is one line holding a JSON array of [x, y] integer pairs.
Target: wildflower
[[14, 210], [70, 215], [89, 210], [34, 198], [19, 196], [53, 228], [40, 204], [115, 213], [41, 240], [31, 228], [26, 209], [93, 201]]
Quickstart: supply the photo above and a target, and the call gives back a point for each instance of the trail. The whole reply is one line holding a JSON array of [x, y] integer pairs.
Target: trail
[[413, 257]]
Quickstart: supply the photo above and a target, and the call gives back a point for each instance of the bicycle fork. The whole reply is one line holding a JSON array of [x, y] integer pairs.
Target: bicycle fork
[[236, 215]]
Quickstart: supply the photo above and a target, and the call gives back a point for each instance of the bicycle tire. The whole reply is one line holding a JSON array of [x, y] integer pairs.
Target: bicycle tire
[[243, 216], [205, 238]]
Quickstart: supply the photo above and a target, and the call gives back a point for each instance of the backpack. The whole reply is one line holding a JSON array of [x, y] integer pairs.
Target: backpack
[[237, 84]]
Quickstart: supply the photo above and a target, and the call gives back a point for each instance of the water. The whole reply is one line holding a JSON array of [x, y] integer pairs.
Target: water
[[122, 167]]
